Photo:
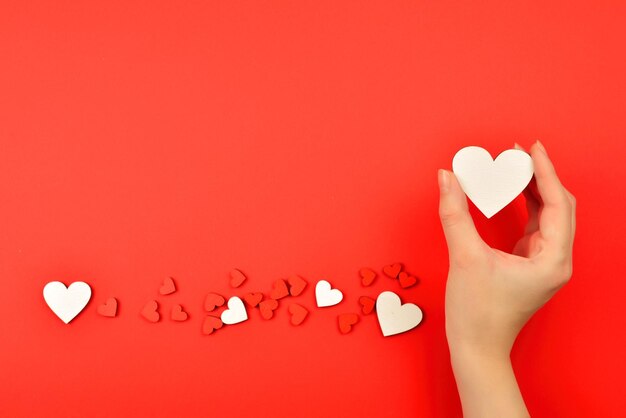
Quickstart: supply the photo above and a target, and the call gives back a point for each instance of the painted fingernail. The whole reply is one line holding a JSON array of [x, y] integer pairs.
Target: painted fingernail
[[444, 180], [541, 147]]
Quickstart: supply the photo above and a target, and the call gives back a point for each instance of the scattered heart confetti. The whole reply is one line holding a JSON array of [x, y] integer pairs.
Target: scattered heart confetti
[[406, 280], [108, 308], [346, 321], [212, 301], [298, 313], [392, 270], [235, 313], [394, 317], [367, 304], [178, 314], [168, 286], [149, 311], [253, 299], [325, 295], [367, 276], [236, 278], [66, 302], [210, 324], [296, 285], [267, 308], [279, 289]]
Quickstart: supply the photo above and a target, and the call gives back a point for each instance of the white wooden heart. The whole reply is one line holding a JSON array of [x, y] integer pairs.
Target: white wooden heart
[[67, 302], [325, 295], [492, 184], [235, 313], [394, 317]]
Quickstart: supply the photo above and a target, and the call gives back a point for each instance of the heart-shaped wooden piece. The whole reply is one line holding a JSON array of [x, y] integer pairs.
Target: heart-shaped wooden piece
[[298, 313], [235, 313], [168, 286], [253, 299], [212, 301], [406, 280], [296, 285], [346, 321], [367, 304], [394, 317], [108, 308], [392, 270], [267, 308], [325, 295], [66, 302], [367, 276], [236, 278], [279, 289], [179, 314], [150, 312], [210, 324]]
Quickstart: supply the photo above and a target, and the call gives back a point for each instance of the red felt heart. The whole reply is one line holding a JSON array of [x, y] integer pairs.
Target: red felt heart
[[346, 321], [406, 280], [109, 308], [212, 301], [253, 299], [149, 311], [168, 286], [367, 304], [178, 314], [298, 313], [210, 324], [279, 289], [267, 308], [367, 276], [296, 285], [236, 278], [392, 270]]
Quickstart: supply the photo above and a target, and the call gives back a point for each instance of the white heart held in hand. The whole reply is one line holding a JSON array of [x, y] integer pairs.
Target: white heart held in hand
[[67, 302], [235, 313], [395, 318], [492, 184], [325, 295]]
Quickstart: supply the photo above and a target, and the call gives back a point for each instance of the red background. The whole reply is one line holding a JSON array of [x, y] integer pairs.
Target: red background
[[145, 139]]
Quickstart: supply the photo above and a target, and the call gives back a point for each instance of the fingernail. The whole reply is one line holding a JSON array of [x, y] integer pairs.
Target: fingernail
[[541, 147], [517, 146], [444, 180]]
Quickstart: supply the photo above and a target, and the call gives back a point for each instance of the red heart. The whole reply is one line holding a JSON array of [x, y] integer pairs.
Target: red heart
[[367, 276], [109, 308], [150, 313], [298, 313], [210, 324], [253, 299], [279, 289], [296, 285], [346, 321], [178, 314], [406, 280], [367, 304], [168, 287], [392, 270], [267, 308], [212, 301], [236, 278]]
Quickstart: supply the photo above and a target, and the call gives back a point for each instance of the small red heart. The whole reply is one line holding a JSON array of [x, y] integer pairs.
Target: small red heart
[[168, 287], [109, 308], [298, 313], [296, 285], [367, 276], [267, 308], [367, 304], [253, 299], [346, 321], [178, 314], [212, 301], [392, 270], [406, 280], [150, 313], [236, 278], [210, 324], [279, 290]]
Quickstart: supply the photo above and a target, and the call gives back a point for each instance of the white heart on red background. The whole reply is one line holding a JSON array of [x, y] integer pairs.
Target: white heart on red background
[[394, 317], [492, 184], [325, 295], [235, 313], [67, 302]]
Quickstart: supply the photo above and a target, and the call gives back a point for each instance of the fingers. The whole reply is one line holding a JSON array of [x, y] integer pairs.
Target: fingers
[[533, 203], [458, 226]]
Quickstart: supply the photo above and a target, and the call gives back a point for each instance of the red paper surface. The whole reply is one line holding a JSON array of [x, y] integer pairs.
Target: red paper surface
[[140, 140]]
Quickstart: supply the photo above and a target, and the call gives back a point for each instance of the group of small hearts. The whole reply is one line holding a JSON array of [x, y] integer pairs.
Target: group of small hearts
[[393, 316]]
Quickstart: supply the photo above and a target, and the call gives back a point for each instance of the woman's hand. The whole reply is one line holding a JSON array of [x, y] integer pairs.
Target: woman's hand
[[491, 294]]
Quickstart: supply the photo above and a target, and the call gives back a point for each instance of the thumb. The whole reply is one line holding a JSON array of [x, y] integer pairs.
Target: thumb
[[458, 226]]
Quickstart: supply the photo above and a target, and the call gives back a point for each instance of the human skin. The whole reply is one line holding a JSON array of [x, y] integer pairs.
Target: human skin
[[491, 294]]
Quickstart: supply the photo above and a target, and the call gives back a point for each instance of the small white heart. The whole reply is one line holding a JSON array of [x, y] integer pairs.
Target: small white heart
[[394, 317], [67, 302], [235, 313], [325, 295], [492, 184]]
